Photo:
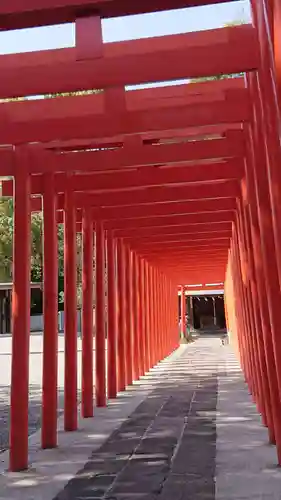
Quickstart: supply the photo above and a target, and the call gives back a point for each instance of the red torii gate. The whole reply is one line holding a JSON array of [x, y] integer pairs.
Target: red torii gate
[[156, 191]]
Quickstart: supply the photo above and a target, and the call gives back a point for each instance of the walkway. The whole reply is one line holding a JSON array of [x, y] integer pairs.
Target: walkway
[[188, 431], [35, 377]]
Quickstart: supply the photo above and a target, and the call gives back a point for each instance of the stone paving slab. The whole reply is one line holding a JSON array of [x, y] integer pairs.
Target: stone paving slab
[[166, 448], [51, 470], [246, 463], [35, 388], [187, 431]]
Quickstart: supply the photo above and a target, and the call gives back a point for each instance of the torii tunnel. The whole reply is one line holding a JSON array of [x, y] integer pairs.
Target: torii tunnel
[[171, 186]]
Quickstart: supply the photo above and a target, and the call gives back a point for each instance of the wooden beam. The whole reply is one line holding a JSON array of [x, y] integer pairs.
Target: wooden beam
[[151, 240], [139, 155], [195, 210], [187, 246], [170, 220], [146, 177], [148, 138], [44, 129], [139, 233], [205, 53], [228, 189], [15, 14], [142, 202], [156, 222]]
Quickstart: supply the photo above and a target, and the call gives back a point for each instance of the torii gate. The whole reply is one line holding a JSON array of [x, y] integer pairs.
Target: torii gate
[[136, 169]]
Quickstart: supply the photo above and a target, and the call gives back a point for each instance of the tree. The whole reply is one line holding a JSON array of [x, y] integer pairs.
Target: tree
[[36, 247], [6, 253], [6, 239]]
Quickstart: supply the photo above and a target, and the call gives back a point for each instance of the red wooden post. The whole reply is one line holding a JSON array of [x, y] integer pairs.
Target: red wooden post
[[249, 310], [267, 238], [264, 379], [147, 318], [20, 317], [240, 326], [129, 331], [151, 318], [277, 45], [174, 322], [142, 322], [260, 252], [87, 315], [263, 298], [100, 317], [267, 92], [253, 314], [165, 316], [183, 312], [171, 322], [111, 316], [159, 303], [136, 315], [155, 332], [70, 314], [121, 349], [50, 309], [157, 315], [169, 308], [162, 312], [243, 313], [88, 37]]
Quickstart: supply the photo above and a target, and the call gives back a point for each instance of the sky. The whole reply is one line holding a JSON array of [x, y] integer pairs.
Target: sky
[[129, 28]]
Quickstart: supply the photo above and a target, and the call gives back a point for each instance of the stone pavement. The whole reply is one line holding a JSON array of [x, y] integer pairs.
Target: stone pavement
[[166, 449], [35, 376], [188, 430], [245, 464]]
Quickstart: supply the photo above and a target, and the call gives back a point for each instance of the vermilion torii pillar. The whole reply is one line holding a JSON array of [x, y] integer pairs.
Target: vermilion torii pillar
[[129, 323], [121, 349], [50, 314], [265, 404], [136, 317], [269, 373], [277, 45], [70, 313], [183, 312], [267, 96], [100, 317], [20, 315], [248, 282], [112, 326], [142, 322], [151, 329], [147, 318], [267, 236], [87, 314]]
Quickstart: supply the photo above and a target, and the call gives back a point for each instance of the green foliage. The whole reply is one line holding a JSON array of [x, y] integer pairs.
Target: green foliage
[[69, 94], [6, 250], [13, 99], [6, 239], [214, 78], [36, 247]]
